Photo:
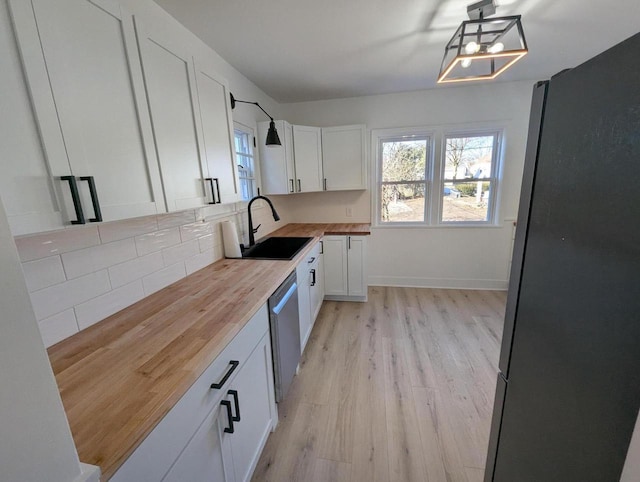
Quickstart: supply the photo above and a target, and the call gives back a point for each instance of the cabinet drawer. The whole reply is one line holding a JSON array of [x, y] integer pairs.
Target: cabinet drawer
[[155, 455]]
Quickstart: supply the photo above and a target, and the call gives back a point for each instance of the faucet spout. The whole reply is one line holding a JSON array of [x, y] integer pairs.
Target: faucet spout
[[252, 231]]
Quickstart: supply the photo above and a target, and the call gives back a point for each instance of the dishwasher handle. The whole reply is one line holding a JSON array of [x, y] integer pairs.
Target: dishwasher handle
[[283, 301]]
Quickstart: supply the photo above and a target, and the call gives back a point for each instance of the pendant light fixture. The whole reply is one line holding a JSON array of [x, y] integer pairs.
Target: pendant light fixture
[[272, 134], [482, 48]]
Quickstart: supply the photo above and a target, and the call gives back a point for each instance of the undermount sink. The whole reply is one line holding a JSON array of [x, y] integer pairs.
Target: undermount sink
[[277, 247]]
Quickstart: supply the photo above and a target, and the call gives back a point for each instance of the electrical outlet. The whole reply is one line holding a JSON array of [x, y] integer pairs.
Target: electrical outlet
[[349, 212]]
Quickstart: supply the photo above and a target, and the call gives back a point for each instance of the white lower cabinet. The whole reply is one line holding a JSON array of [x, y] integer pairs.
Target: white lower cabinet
[[218, 428], [310, 278], [345, 268]]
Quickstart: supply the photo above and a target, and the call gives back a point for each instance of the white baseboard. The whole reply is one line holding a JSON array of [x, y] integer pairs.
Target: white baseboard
[[463, 284]]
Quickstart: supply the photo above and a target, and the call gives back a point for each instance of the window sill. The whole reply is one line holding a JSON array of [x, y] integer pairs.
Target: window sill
[[437, 226]]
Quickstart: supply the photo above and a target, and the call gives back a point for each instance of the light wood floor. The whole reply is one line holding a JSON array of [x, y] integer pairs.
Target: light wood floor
[[397, 389]]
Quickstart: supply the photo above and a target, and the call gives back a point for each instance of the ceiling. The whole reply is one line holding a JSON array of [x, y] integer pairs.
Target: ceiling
[[300, 50]]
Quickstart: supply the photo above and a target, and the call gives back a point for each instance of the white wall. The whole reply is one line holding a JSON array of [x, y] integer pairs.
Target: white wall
[[434, 256], [36, 443]]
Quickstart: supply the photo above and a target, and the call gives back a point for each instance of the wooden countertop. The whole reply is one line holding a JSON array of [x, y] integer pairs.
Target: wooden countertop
[[120, 377]]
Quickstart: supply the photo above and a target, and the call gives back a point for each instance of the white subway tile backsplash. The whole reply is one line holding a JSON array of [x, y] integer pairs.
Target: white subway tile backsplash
[[43, 273], [149, 243], [128, 228], [99, 308], [199, 261], [195, 230], [57, 298], [180, 252], [56, 242], [124, 273], [163, 278], [58, 327], [89, 260], [176, 219], [207, 243]]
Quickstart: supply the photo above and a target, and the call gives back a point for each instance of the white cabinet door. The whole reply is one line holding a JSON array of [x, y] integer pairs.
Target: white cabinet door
[[84, 74], [316, 288], [343, 159], [335, 266], [208, 454], [304, 303], [169, 79], [356, 266], [307, 154], [214, 106], [277, 167], [254, 390]]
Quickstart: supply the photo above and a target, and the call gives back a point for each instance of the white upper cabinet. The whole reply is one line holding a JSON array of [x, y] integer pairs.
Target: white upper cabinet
[[307, 154], [343, 158], [214, 105], [277, 165], [84, 76], [170, 82]]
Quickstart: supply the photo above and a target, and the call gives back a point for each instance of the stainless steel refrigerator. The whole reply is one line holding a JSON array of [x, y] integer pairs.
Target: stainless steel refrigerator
[[568, 390]]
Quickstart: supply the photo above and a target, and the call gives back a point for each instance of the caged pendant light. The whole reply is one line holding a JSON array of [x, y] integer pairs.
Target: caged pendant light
[[482, 48]]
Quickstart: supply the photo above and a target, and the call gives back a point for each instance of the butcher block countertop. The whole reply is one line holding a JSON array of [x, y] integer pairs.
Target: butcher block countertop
[[121, 376]]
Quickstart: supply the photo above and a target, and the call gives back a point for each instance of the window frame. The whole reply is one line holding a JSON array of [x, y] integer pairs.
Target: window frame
[[435, 171], [493, 179], [391, 135], [250, 133]]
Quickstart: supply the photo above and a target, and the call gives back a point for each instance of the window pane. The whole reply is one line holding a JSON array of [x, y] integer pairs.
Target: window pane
[[247, 165], [404, 160], [466, 201], [402, 202], [469, 157]]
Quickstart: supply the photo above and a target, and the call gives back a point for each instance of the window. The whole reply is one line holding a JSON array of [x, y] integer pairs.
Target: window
[[246, 162], [436, 178], [404, 181], [469, 178]]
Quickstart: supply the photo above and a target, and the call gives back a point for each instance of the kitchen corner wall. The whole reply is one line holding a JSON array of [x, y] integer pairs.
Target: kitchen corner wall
[[435, 256], [81, 275]]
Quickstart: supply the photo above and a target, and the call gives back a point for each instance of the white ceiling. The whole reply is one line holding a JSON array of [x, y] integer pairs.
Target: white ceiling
[[299, 50]]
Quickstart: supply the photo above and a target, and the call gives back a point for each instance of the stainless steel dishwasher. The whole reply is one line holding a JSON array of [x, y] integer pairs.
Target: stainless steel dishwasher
[[285, 334]]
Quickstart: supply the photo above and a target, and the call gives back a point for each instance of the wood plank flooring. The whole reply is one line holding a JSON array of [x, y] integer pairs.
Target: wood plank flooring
[[398, 389]]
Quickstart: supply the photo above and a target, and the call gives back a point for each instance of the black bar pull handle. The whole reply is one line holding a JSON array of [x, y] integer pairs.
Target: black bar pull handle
[[293, 189], [313, 277], [217, 181], [321, 247], [349, 242], [299, 186], [234, 364], [94, 199], [234, 394], [324, 183], [230, 428], [213, 194], [73, 187]]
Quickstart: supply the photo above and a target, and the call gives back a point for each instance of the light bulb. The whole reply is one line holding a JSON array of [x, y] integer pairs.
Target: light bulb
[[496, 48], [465, 63], [471, 48]]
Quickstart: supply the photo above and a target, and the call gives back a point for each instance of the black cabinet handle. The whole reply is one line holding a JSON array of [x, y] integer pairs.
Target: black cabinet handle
[[230, 428], [234, 364], [234, 394], [213, 194], [321, 247], [349, 242], [215, 179], [299, 186], [293, 189], [313, 277], [73, 187], [94, 199], [313, 258], [325, 183]]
